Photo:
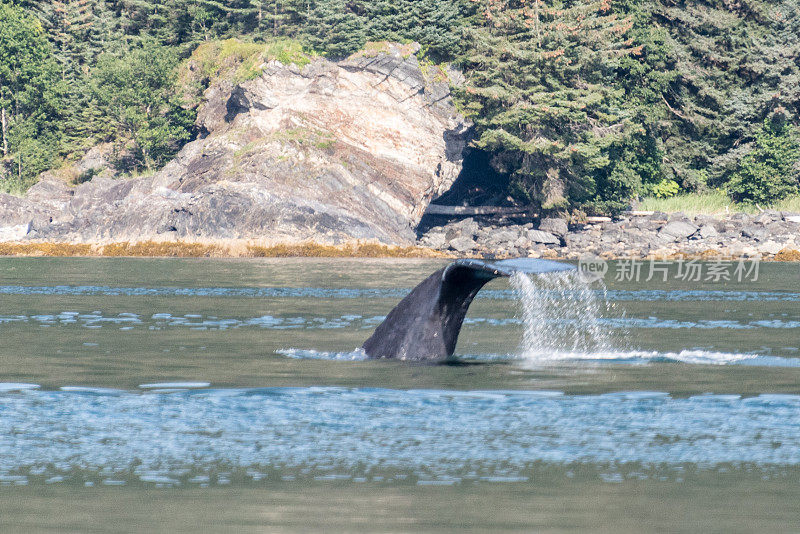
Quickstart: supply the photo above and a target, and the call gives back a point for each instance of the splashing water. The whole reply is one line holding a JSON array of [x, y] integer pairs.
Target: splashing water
[[561, 317]]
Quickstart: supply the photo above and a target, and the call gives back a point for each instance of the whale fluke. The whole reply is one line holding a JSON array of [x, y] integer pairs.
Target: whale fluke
[[424, 326]]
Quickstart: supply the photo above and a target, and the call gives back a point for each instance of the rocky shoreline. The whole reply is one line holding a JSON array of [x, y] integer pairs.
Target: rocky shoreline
[[770, 235], [332, 159]]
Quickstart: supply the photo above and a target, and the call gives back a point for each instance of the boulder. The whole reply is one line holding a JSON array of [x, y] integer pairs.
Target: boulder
[[770, 247], [677, 230], [755, 232], [555, 226], [434, 240], [538, 236], [463, 244], [503, 236], [768, 216], [707, 231]]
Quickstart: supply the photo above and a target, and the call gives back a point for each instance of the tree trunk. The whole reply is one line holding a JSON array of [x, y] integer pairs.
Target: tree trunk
[[5, 137]]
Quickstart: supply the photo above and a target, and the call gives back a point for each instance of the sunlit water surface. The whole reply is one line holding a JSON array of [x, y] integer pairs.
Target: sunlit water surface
[[210, 378]]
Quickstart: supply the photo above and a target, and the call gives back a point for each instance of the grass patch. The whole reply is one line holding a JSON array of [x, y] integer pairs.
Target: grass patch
[[693, 203], [240, 61], [374, 48], [289, 51], [788, 204], [711, 203]]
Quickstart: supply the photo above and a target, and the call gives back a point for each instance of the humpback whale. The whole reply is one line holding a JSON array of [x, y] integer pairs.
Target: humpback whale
[[424, 326]]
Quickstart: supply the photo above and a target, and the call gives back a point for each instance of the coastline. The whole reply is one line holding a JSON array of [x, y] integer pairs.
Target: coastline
[[213, 249], [769, 236], [234, 249]]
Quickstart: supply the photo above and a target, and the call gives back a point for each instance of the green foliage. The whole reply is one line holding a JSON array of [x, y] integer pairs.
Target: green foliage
[[582, 103], [27, 79], [335, 29], [665, 189], [137, 98], [770, 171], [541, 93]]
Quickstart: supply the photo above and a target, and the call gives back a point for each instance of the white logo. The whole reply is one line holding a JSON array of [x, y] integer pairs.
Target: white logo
[[592, 269]]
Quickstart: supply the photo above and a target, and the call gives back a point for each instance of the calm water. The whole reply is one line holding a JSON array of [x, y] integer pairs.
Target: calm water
[[146, 394]]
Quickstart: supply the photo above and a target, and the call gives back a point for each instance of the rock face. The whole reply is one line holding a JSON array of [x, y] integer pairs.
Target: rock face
[[329, 152]]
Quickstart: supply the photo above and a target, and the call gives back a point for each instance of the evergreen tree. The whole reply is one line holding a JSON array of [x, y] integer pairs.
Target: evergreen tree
[[137, 97], [27, 106], [540, 89], [335, 29], [772, 169]]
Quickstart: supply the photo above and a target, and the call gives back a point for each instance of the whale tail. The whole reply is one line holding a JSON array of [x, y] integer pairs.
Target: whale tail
[[425, 325]]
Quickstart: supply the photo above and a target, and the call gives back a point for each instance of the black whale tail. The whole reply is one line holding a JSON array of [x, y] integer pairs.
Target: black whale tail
[[425, 325]]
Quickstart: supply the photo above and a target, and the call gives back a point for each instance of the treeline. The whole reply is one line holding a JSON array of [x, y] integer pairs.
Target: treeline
[[581, 103]]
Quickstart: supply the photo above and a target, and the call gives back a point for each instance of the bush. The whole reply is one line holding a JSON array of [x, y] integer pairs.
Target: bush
[[769, 172], [665, 189]]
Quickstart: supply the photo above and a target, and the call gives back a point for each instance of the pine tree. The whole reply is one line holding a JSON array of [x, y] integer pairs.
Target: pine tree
[[334, 29], [540, 89]]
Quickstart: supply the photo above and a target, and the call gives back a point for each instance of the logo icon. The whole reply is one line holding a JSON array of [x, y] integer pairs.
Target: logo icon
[[592, 268]]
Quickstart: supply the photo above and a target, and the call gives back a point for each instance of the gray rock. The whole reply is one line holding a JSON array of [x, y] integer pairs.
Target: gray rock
[[502, 236], [463, 244], [677, 230], [707, 231], [770, 247], [555, 226], [50, 192], [296, 154], [768, 216], [537, 236], [755, 232], [434, 239]]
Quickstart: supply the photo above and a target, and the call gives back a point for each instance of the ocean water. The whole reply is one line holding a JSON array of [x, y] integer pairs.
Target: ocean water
[[235, 390]]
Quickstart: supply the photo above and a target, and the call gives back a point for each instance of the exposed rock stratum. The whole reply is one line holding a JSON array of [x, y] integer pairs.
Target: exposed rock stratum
[[330, 152]]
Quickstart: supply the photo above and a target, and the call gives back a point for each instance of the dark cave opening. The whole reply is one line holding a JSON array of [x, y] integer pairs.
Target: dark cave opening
[[478, 184]]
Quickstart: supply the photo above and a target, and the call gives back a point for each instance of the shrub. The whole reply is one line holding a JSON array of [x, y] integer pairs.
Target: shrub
[[665, 189]]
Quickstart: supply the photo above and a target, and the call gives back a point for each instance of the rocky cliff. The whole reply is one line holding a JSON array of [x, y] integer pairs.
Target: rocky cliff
[[328, 152]]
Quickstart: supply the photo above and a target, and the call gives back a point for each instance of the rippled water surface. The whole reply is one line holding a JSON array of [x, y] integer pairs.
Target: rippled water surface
[[230, 395]]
